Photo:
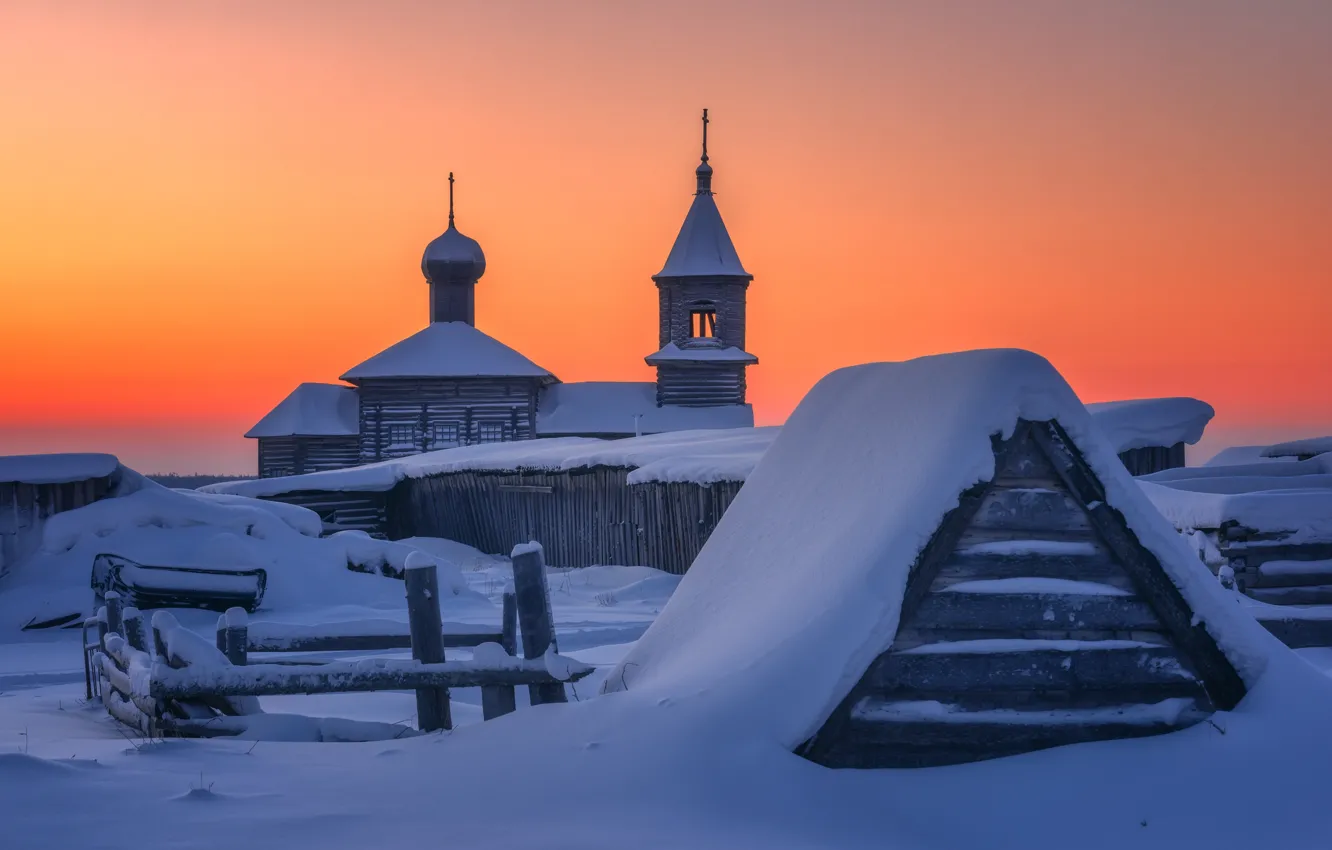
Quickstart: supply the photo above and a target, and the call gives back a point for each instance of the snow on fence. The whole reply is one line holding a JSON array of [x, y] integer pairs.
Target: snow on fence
[[179, 684]]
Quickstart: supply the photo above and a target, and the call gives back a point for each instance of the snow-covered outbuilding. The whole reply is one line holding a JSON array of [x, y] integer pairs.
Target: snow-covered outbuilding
[[451, 384], [1149, 434], [313, 429], [940, 561], [36, 487], [1300, 449]]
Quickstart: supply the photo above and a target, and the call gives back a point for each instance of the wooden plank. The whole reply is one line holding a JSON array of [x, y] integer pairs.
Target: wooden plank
[[1030, 509], [1021, 611], [1256, 577], [1099, 567], [499, 700], [1088, 669], [1300, 633], [1223, 683], [910, 636], [1257, 554], [422, 580], [362, 642], [274, 680], [923, 744], [1320, 594]]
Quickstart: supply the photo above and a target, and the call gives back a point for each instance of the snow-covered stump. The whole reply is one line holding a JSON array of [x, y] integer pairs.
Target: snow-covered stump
[[532, 593], [422, 580], [498, 700]]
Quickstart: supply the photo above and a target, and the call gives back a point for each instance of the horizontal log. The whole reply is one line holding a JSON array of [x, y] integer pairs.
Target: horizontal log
[[1099, 567], [867, 744], [1020, 611], [1288, 574], [981, 534], [126, 712], [1258, 553], [1086, 669], [350, 677], [1300, 633], [1035, 508], [456, 636], [909, 637], [1312, 595]]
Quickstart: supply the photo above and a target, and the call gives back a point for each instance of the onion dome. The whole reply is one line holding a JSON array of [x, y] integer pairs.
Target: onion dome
[[452, 257]]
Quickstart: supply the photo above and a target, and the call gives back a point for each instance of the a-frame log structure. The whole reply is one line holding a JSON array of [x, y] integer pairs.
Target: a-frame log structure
[[1033, 618]]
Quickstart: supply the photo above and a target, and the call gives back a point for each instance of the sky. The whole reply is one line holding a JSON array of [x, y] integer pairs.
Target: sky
[[205, 204]]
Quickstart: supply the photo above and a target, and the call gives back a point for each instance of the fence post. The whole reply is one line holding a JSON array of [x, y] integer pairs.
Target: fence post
[[114, 617], [237, 635], [133, 624], [422, 580], [499, 700], [220, 635], [532, 594]]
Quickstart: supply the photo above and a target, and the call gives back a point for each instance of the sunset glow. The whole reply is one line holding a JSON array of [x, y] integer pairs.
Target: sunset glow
[[204, 205]]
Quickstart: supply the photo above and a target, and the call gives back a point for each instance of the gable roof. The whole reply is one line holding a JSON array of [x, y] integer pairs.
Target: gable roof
[[840, 507], [447, 350], [617, 408], [703, 247], [312, 410]]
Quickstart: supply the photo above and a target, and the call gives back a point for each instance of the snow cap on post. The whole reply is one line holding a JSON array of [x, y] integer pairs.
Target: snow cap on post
[[237, 618], [418, 561], [526, 548]]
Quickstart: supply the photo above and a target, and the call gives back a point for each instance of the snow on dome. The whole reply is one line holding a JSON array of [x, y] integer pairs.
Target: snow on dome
[[1300, 448], [453, 258], [800, 586], [447, 350], [312, 410], [1142, 422], [55, 468], [611, 408], [703, 248]]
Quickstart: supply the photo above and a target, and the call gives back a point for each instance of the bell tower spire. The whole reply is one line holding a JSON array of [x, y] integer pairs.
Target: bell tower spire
[[450, 199], [704, 171]]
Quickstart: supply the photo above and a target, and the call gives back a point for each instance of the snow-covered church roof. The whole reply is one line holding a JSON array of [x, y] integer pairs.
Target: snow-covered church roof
[[312, 410], [703, 247], [1142, 422], [447, 350], [611, 408], [800, 586]]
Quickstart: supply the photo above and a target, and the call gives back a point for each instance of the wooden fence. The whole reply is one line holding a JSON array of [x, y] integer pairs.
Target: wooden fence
[[179, 684], [590, 515]]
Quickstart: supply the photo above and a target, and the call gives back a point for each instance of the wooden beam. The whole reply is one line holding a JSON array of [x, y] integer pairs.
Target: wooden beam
[[432, 702]]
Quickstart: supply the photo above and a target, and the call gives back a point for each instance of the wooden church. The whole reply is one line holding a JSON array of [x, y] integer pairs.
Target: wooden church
[[967, 571], [451, 384]]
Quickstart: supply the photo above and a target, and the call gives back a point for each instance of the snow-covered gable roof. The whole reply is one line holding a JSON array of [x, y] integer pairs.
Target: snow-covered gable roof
[[609, 408], [1300, 448], [703, 247], [55, 468], [312, 410], [1142, 422], [800, 586], [447, 350], [672, 353], [700, 457]]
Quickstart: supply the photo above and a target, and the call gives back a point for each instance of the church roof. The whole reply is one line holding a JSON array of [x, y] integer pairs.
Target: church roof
[[703, 248], [619, 408], [447, 350], [672, 353], [312, 410]]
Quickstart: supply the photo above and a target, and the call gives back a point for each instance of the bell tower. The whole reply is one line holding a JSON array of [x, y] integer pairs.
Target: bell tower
[[452, 264], [701, 295]]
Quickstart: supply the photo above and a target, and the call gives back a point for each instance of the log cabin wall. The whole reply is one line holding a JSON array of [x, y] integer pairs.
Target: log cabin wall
[[678, 297], [583, 517], [24, 509], [1149, 459], [350, 510], [404, 416], [279, 456], [701, 384]]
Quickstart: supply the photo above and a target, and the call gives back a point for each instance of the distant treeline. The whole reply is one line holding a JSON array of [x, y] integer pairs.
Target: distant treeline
[[193, 482]]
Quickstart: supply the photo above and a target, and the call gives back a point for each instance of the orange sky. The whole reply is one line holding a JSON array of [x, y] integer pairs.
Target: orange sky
[[203, 204]]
